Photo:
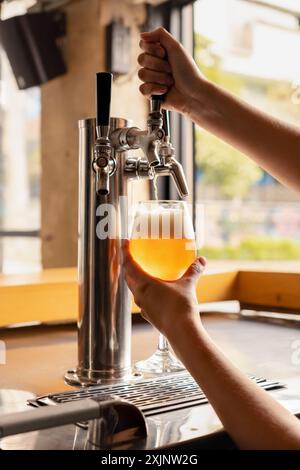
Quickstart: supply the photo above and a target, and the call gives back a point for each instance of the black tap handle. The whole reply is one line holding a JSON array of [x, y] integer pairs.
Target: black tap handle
[[158, 97], [156, 102], [103, 97], [166, 122]]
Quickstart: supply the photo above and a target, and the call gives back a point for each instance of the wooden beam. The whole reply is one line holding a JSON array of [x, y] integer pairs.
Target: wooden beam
[[217, 287], [52, 295], [269, 289], [71, 97], [47, 296]]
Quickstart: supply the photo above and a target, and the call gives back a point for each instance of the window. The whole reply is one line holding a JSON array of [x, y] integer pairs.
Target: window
[[19, 173], [251, 50]]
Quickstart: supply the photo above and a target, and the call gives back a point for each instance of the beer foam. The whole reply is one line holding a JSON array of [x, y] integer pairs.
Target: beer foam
[[157, 221]]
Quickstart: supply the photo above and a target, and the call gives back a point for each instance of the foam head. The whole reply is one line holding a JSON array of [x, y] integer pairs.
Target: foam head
[[165, 220]]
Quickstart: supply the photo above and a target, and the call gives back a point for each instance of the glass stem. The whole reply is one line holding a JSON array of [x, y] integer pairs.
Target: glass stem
[[163, 344]]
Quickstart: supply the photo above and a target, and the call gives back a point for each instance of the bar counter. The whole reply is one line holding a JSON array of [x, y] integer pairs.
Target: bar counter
[[37, 358]]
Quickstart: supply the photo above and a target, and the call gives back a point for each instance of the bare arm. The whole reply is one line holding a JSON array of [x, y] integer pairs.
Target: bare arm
[[168, 68], [273, 144], [251, 416]]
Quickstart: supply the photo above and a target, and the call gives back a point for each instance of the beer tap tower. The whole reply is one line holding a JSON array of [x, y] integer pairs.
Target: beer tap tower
[[105, 167]]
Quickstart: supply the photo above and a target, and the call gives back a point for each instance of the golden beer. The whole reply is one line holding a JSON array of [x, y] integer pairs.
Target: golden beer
[[162, 240], [162, 258]]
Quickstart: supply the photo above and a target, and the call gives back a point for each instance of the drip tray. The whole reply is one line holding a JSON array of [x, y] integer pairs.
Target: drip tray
[[153, 396]]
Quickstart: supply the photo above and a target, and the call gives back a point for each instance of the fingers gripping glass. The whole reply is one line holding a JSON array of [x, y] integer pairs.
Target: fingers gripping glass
[[163, 243]]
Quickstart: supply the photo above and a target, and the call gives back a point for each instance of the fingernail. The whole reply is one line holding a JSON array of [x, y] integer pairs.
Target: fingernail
[[163, 89], [202, 260]]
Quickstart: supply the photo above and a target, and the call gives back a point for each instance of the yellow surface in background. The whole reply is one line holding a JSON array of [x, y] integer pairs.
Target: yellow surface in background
[[51, 295]]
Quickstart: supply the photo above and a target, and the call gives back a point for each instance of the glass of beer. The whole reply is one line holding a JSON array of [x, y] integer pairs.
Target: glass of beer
[[163, 243]]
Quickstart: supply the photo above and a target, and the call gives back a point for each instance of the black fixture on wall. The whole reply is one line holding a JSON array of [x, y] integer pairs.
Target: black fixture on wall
[[118, 56], [160, 15], [30, 42]]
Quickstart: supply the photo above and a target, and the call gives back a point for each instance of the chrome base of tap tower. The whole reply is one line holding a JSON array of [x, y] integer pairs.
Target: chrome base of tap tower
[[86, 378]]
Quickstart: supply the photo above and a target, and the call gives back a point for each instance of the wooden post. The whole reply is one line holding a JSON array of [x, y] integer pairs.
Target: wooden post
[[71, 97]]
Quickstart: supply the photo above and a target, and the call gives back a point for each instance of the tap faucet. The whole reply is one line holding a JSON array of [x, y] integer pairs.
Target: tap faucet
[[156, 145], [148, 140], [168, 164], [105, 167]]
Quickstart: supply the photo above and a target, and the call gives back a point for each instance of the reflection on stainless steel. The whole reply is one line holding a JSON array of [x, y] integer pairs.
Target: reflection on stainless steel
[[163, 431], [198, 426], [14, 400], [104, 325], [111, 422], [122, 425], [172, 167]]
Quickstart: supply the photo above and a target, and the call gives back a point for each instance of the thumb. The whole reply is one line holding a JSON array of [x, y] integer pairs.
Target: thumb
[[162, 36], [195, 269]]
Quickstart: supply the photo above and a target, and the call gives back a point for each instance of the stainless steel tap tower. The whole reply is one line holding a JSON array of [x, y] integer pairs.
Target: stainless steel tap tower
[[104, 324]]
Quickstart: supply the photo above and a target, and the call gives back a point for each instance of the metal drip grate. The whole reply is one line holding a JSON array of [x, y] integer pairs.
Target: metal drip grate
[[152, 396]]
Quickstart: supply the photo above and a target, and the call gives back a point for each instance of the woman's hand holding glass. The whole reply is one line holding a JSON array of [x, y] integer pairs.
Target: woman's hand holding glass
[[161, 248], [167, 305]]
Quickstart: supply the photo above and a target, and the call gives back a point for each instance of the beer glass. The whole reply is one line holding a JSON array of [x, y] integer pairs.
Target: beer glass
[[163, 243]]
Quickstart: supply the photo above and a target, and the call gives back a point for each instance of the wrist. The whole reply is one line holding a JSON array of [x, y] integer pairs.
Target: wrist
[[183, 326], [201, 106], [187, 339]]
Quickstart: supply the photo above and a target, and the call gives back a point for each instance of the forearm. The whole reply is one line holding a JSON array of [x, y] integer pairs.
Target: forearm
[[251, 416], [273, 144]]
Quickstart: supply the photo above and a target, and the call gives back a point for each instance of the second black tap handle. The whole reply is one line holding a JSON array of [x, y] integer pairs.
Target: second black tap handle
[[103, 98], [166, 122], [156, 102]]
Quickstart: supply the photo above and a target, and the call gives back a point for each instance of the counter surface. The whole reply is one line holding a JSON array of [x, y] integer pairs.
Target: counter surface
[[37, 357]]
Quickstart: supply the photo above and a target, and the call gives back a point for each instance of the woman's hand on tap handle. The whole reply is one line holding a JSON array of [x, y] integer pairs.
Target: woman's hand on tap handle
[[167, 68]]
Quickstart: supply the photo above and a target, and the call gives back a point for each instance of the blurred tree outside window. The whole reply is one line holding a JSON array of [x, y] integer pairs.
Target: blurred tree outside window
[[252, 51]]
